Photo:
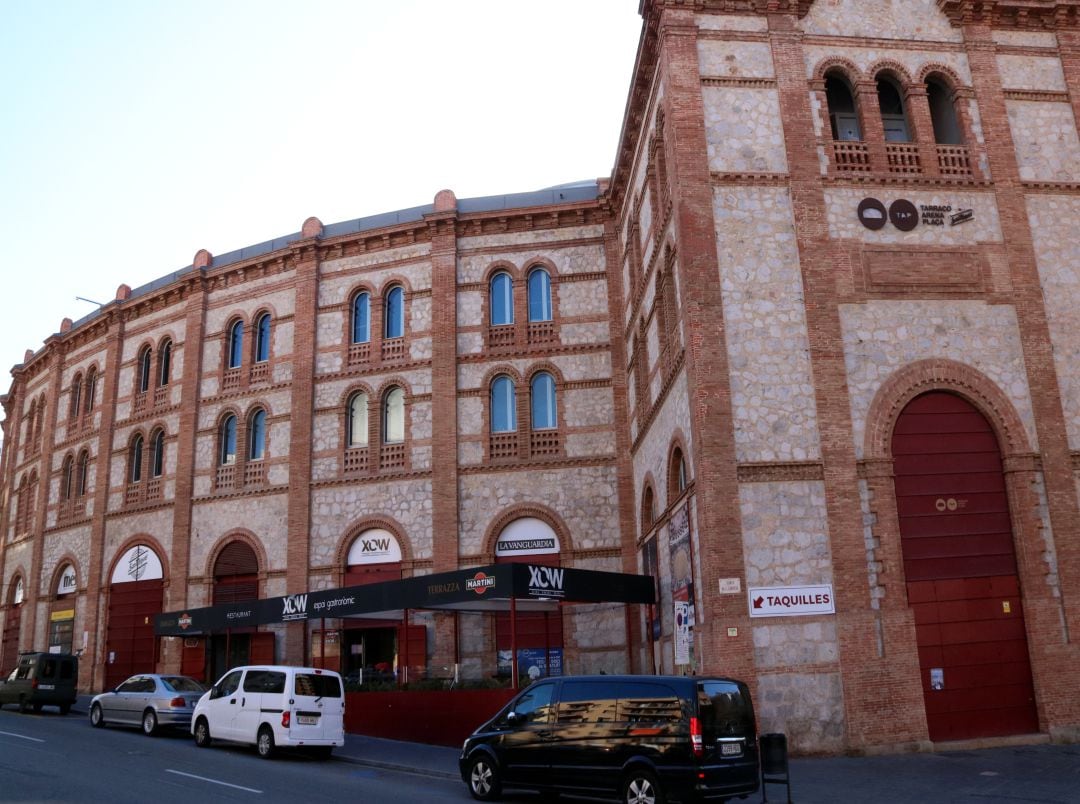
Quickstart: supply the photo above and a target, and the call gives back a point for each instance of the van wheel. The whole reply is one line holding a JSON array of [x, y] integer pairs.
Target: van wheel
[[202, 733], [149, 723], [484, 781], [264, 743], [37, 708], [24, 705], [641, 787], [65, 708]]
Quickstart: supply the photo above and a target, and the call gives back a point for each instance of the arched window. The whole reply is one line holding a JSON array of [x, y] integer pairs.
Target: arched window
[[144, 369], [81, 469], [943, 113], [394, 325], [544, 415], [164, 363], [648, 510], [67, 480], [227, 449], [539, 295], [257, 436], [503, 405], [361, 317], [91, 383], [676, 474], [358, 420], [843, 117], [262, 338], [502, 299], [393, 430], [135, 460], [893, 117], [76, 396], [157, 454], [236, 344]]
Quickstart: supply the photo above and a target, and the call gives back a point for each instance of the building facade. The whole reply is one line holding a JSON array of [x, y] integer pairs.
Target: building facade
[[809, 357]]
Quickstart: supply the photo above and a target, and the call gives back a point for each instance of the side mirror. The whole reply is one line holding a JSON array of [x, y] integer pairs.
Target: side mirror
[[513, 718], [215, 692]]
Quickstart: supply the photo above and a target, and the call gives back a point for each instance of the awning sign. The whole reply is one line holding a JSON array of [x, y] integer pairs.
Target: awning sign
[[791, 601]]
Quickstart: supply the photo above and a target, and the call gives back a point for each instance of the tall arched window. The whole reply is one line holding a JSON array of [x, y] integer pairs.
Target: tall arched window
[[539, 295], [236, 344], [135, 460], [358, 420], [843, 116], [648, 510], [157, 454], [544, 415], [676, 475], [502, 299], [257, 436], [164, 363], [393, 430], [893, 118], [67, 480], [503, 405], [227, 437], [361, 317], [394, 324], [81, 469], [943, 113], [76, 396], [144, 369], [91, 383], [262, 338]]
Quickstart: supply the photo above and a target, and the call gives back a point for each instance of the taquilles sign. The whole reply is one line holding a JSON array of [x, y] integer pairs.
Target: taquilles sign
[[791, 601]]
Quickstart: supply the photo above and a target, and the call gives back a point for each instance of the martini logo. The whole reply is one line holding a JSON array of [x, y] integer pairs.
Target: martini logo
[[295, 608], [480, 583], [546, 581], [184, 621]]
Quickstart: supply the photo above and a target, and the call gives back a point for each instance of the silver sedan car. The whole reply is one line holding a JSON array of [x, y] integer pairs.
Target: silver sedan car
[[149, 700]]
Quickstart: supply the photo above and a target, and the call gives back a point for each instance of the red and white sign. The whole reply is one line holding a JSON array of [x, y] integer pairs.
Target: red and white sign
[[791, 601]]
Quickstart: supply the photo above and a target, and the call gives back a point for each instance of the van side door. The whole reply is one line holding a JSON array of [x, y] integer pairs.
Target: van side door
[[585, 738], [222, 705], [249, 711], [525, 736]]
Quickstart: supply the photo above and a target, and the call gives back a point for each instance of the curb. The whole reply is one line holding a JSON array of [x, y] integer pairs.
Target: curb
[[393, 766]]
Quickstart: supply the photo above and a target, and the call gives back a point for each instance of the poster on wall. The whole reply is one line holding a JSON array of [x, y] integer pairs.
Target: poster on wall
[[682, 632], [682, 586], [531, 664]]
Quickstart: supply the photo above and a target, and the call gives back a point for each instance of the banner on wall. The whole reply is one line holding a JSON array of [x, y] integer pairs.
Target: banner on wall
[[375, 546], [140, 563], [683, 632]]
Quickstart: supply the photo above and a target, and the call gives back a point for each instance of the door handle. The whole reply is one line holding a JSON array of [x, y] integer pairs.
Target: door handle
[[232, 701]]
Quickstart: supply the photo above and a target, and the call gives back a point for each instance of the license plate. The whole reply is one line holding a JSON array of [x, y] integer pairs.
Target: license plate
[[46, 686], [730, 749], [307, 720]]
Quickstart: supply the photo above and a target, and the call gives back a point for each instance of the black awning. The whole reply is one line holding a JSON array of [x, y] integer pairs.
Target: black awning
[[488, 588]]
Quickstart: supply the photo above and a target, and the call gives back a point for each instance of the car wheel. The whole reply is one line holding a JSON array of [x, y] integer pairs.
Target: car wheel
[[97, 719], [484, 781], [149, 723], [65, 708], [202, 733], [24, 705], [37, 708], [264, 743], [641, 787]]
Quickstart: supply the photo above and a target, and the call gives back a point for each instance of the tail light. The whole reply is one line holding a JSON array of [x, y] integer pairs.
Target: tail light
[[286, 718], [697, 742], [178, 703], [34, 684]]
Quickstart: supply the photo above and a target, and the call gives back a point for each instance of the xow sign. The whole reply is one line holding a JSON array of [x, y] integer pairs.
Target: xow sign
[[295, 608], [546, 581]]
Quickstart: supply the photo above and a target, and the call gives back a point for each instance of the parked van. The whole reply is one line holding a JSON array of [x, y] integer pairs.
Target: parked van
[[646, 738], [272, 707], [42, 679]]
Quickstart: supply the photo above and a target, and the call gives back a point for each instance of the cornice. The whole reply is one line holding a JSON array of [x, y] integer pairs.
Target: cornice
[[1026, 14]]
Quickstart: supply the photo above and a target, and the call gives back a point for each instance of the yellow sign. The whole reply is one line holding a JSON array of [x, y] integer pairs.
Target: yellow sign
[[1006, 606], [66, 614]]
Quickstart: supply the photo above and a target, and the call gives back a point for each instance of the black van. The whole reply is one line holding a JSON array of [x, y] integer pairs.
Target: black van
[[42, 679], [646, 738]]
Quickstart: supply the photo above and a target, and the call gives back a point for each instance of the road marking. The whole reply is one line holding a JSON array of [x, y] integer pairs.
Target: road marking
[[21, 736], [213, 781]]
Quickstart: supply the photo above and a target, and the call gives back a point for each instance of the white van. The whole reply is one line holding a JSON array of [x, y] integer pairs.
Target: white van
[[272, 707]]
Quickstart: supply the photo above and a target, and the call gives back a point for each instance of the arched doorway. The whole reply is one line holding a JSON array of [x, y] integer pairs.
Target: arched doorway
[[538, 635], [236, 580], [960, 567], [62, 611], [9, 644], [136, 594]]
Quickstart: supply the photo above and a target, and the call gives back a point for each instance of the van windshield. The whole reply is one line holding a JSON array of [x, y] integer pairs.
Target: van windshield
[[725, 709], [317, 686]]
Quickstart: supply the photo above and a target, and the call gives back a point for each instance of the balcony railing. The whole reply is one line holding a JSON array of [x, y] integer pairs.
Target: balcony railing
[[255, 473], [392, 456], [153, 488], [503, 445], [260, 372], [359, 353], [953, 160], [393, 349], [545, 444], [226, 477], [541, 331], [356, 460], [230, 381], [502, 335], [903, 157], [851, 157], [161, 395], [139, 405]]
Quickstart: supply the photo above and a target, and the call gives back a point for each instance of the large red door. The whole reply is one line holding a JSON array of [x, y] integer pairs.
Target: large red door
[[129, 641], [960, 564], [9, 644]]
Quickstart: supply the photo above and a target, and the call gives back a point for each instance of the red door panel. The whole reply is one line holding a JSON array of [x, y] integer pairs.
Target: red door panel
[[9, 644], [960, 565], [130, 645]]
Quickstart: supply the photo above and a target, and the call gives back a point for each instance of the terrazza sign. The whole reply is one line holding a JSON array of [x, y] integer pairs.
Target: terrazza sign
[[791, 601]]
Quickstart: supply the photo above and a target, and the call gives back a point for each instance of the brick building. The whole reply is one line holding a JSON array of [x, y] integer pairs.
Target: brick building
[[809, 356]]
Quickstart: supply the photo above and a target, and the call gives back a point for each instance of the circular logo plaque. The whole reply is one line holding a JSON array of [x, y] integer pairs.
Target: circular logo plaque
[[872, 213], [903, 215]]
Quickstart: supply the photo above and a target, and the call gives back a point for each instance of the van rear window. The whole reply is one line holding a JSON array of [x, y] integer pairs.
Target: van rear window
[[725, 709], [67, 670], [317, 686]]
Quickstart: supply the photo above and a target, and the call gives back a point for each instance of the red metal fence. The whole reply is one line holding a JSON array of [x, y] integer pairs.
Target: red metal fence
[[437, 717]]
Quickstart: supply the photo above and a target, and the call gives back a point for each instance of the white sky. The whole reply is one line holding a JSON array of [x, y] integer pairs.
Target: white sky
[[137, 132]]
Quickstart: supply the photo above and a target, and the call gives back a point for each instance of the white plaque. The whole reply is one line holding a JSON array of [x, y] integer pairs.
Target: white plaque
[[791, 601], [730, 586]]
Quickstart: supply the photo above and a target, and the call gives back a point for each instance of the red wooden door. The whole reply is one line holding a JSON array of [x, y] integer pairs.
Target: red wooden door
[[9, 645], [129, 639], [960, 565], [193, 658]]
